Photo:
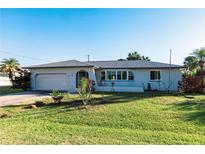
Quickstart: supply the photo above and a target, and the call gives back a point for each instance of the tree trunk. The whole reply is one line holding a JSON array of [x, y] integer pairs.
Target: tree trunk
[[201, 65], [11, 78]]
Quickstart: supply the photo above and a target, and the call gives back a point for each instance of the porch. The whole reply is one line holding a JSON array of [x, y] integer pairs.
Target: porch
[[119, 89], [128, 86]]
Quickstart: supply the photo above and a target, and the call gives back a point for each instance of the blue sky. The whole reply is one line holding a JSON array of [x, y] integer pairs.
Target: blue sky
[[61, 34]]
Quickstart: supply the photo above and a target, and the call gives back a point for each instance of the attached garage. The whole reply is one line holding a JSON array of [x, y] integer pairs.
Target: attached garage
[[49, 82]]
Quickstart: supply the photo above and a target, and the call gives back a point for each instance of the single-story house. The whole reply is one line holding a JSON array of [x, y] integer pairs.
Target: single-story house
[[119, 76], [4, 80]]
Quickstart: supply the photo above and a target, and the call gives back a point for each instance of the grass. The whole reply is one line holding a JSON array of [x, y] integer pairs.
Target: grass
[[125, 118], [7, 90]]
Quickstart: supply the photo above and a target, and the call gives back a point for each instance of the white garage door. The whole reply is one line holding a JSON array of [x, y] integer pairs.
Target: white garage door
[[51, 82]]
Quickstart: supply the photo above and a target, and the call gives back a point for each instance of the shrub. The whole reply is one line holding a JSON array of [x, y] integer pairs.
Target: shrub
[[23, 80], [190, 84]]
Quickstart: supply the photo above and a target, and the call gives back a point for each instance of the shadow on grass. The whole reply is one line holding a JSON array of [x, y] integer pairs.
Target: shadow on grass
[[76, 103], [109, 98], [194, 110]]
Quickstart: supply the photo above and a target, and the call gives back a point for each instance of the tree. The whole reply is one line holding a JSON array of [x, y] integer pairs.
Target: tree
[[85, 90], [194, 72], [200, 55], [196, 61], [191, 63], [136, 56], [10, 67], [23, 80], [121, 59]]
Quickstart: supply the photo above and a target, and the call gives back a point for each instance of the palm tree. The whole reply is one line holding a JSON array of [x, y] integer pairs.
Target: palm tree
[[10, 67], [196, 61], [200, 55], [191, 63], [136, 56], [145, 58]]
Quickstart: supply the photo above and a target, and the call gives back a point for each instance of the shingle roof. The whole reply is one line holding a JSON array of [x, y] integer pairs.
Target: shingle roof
[[106, 64], [132, 64], [68, 63]]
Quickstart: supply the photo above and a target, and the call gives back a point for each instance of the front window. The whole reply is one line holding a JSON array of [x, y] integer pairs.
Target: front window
[[103, 75], [155, 75], [120, 75], [124, 75], [130, 75], [111, 75]]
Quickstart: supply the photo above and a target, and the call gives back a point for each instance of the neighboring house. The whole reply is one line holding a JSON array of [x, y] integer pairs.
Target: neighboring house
[[4, 80], [121, 76]]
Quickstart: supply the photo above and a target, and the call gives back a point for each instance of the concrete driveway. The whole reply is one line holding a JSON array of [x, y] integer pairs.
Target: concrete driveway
[[18, 98]]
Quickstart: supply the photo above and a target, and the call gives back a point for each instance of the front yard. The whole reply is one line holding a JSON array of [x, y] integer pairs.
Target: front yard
[[8, 89], [142, 118]]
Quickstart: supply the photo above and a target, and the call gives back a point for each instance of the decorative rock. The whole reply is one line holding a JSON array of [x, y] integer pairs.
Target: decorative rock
[[189, 96], [33, 106]]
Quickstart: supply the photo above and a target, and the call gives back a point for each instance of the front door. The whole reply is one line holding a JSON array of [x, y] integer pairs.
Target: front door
[[79, 76]]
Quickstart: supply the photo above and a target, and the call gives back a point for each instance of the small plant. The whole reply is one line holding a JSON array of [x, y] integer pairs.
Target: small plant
[[85, 90], [57, 96]]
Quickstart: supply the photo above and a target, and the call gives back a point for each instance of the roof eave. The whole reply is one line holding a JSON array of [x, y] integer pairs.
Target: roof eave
[[140, 67], [55, 67]]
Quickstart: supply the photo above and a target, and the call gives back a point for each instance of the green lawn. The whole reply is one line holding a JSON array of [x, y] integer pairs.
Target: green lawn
[[7, 90], [146, 118]]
